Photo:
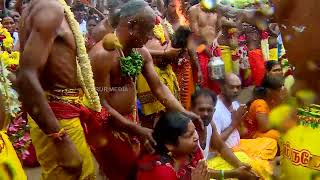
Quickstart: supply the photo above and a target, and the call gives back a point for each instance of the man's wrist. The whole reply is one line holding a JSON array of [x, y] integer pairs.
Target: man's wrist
[[135, 128], [239, 164]]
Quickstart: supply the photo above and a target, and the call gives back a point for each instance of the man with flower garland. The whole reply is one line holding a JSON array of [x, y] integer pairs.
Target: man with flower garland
[[48, 82], [116, 62]]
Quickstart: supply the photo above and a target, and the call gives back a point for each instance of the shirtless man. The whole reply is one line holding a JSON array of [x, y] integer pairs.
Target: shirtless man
[[118, 157], [48, 69], [204, 23]]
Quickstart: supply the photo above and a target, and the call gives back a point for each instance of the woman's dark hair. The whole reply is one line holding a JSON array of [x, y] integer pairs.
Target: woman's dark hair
[[180, 38], [269, 82], [203, 92], [260, 92], [270, 64], [170, 126], [5, 13], [273, 82]]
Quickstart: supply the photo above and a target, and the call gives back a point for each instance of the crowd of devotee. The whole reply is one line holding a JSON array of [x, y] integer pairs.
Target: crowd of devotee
[[159, 89]]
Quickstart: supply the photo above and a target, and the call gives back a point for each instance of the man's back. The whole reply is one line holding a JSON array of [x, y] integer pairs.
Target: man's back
[[43, 23]]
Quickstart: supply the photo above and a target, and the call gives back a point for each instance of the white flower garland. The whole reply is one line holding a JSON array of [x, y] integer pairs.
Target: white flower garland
[[10, 96]]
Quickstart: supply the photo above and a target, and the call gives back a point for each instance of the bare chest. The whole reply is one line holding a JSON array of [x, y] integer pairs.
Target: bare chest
[[117, 79], [65, 33], [207, 18]]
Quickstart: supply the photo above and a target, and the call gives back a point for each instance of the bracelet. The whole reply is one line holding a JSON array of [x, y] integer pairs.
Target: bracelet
[[59, 135], [221, 175]]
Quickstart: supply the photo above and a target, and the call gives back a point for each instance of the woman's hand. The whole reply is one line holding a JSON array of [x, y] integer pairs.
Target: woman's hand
[[200, 172]]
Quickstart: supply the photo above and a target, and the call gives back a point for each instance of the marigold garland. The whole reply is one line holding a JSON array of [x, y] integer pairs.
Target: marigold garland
[[84, 69], [6, 39]]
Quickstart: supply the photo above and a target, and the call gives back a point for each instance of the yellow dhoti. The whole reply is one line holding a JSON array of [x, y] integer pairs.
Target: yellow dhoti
[[10, 165], [149, 103], [259, 148], [262, 167], [226, 56], [46, 149], [274, 134]]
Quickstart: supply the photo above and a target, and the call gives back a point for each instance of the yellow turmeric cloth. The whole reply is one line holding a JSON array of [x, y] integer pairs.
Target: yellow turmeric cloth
[[273, 54], [300, 147], [226, 56], [45, 147], [9, 162], [149, 103], [260, 148], [262, 167]]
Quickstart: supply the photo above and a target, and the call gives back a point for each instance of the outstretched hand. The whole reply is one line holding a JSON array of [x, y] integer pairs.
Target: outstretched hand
[[149, 142], [195, 119]]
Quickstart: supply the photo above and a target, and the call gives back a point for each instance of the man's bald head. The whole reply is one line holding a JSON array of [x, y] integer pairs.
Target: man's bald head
[[231, 86], [136, 22], [232, 78]]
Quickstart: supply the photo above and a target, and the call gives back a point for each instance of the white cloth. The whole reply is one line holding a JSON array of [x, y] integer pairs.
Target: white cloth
[[15, 38], [83, 27], [209, 133], [222, 120]]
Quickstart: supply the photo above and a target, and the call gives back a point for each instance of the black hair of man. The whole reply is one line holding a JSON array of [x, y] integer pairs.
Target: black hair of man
[[95, 18], [78, 7], [273, 82], [194, 2], [269, 65], [203, 92], [5, 13], [166, 3]]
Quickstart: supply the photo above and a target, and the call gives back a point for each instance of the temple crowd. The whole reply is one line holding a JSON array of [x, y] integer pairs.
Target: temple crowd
[[151, 89]]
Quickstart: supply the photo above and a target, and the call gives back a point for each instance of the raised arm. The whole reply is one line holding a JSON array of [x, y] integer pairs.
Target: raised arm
[[45, 24], [157, 87], [162, 92]]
